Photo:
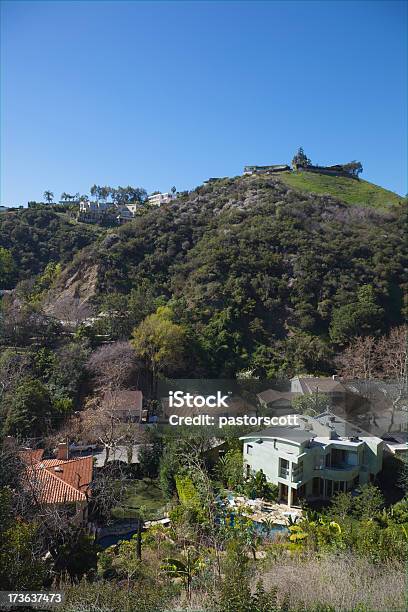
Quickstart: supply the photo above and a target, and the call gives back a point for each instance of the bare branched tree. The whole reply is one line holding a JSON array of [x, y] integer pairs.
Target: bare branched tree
[[12, 367], [381, 366], [392, 366], [359, 359], [114, 366]]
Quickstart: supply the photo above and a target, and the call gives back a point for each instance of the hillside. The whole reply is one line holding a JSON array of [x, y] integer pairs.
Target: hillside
[[35, 237], [358, 192], [261, 274]]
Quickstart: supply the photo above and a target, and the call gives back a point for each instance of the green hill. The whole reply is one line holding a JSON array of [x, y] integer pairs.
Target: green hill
[[263, 276], [351, 191], [35, 237]]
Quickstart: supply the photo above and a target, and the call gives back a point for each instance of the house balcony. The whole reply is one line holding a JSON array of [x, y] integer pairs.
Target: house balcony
[[297, 473], [338, 472], [295, 476]]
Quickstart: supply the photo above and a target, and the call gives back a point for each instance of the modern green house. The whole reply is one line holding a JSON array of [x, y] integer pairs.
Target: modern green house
[[315, 459]]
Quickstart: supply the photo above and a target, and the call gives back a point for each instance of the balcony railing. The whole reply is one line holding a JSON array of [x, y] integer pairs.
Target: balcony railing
[[341, 466], [297, 474]]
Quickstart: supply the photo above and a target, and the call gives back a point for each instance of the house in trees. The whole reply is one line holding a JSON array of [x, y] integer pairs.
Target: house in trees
[[97, 207], [126, 405], [301, 162], [123, 214], [307, 385], [315, 459], [60, 482], [112, 212]]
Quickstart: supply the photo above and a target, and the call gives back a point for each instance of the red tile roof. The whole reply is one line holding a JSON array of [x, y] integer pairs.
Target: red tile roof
[[58, 481]]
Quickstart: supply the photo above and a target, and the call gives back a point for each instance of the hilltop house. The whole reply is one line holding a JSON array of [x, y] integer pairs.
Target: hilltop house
[[266, 169], [301, 163], [95, 211], [124, 213], [349, 170], [97, 207], [314, 460], [157, 199], [60, 481]]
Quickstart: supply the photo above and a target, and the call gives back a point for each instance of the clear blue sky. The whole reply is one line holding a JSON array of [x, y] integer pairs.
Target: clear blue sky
[[170, 93]]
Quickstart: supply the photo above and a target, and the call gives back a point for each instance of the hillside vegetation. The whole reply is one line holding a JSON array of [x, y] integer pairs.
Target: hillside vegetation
[[262, 275], [352, 191], [34, 237]]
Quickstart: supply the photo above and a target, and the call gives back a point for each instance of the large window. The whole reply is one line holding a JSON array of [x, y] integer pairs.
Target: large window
[[339, 486], [283, 468]]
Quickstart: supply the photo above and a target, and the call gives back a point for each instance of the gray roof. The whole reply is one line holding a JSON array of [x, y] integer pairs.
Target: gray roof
[[397, 437], [271, 395], [312, 384], [340, 426], [294, 434]]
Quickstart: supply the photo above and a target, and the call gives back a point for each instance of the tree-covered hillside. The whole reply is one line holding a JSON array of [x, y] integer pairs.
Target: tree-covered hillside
[[31, 238], [262, 275]]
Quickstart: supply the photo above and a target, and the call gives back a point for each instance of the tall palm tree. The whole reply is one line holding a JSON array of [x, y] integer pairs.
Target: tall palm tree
[[48, 196]]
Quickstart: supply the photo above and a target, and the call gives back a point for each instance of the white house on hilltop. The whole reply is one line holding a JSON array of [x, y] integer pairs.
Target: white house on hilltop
[[92, 212], [86, 206], [314, 460], [157, 199]]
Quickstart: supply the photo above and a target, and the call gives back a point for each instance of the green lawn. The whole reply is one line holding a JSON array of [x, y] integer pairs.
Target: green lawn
[[348, 190], [145, 493]]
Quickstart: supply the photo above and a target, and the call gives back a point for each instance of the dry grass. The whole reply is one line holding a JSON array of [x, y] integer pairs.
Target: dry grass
[[200, 601], [342, 582]]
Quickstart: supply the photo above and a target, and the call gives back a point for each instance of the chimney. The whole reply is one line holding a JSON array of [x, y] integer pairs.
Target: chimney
[[63, 451]]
